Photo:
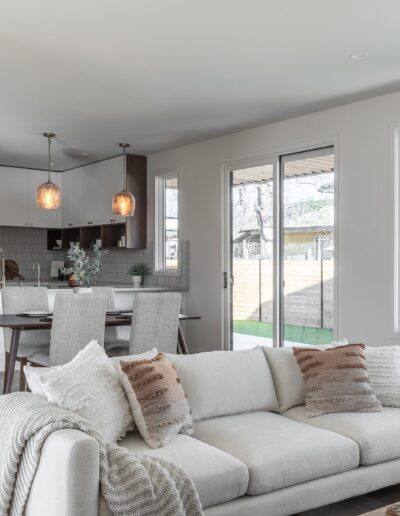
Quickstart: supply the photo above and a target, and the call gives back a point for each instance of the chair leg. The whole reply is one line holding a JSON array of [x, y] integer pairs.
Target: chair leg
[[7, 364], [22, 380]]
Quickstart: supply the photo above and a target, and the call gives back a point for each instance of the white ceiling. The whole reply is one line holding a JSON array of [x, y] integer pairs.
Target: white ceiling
[[160, 73]]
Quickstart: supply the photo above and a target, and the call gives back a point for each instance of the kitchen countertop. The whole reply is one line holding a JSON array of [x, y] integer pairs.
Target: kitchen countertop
[[118, 287]]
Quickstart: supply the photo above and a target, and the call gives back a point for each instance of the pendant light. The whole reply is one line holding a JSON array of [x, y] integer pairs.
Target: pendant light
[[123, 202], [48, 195]]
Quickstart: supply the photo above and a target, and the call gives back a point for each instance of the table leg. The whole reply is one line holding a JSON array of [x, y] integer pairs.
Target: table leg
[[13, 357], [182, 342]]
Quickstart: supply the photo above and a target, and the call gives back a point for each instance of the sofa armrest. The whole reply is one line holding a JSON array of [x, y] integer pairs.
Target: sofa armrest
[[67, 479]]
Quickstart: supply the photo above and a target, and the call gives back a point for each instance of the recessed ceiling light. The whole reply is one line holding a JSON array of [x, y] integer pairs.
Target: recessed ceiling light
[[356, 56], [84, 153]]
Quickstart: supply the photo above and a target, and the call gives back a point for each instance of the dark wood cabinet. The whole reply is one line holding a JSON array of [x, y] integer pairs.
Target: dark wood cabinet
[[136, 179], [134, 229]]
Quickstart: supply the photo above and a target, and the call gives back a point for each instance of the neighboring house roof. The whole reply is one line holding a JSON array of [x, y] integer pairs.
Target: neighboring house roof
[[254, 234]]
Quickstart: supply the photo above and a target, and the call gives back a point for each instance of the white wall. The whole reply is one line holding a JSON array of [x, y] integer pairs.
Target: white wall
[[364, 132]]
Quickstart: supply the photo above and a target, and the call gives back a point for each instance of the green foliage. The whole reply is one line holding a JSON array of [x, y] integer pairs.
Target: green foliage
[[86, 268], [139, 269]]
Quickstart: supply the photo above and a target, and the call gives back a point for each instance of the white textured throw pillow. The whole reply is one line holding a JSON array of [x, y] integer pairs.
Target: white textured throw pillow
[[383, 364], [88, 385]]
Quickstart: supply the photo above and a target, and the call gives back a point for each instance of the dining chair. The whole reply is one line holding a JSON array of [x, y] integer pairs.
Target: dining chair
[[155, 322], [16, 300], [111, 338], [77, 319]]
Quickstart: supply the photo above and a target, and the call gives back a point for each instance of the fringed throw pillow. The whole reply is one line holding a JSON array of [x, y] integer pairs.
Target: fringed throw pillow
[[157, 399], [384, 373], [336, 380]]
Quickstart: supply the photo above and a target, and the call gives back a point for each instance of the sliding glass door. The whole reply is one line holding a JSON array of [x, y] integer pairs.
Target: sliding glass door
[[252, 245], [280, 278], [308, 215]]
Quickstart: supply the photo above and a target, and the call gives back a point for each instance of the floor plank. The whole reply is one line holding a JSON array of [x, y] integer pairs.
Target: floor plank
[[351, 507], [359, 504]]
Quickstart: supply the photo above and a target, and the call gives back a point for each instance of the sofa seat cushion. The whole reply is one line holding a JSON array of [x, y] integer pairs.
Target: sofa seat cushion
[[376, 433], [218, 477], [278, 452]]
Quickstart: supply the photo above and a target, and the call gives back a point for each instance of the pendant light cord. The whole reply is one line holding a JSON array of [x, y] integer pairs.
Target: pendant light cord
[[49, 140], [124, 168]]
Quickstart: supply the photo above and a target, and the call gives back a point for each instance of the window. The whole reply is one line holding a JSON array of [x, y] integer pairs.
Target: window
[[167, 223]]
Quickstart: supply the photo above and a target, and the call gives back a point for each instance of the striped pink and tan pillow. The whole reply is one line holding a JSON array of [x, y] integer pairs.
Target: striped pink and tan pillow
[[336, 380], [158, 402]]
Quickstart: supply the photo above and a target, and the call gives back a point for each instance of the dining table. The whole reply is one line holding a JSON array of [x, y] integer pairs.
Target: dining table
[[17, 323]]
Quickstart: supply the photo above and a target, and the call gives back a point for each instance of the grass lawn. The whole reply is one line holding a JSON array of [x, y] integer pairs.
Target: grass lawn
[[304, 334]]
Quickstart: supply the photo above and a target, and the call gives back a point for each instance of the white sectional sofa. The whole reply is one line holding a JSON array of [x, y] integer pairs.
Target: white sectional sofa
[[254, 451]]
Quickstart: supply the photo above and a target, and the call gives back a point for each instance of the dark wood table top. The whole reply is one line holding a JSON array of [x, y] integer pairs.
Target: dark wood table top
[[17, 322]]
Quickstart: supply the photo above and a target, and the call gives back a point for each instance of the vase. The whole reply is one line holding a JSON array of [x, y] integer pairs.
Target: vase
[[136, 281]]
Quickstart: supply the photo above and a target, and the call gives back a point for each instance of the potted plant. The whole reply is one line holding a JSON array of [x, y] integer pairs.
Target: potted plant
[[85, 268], [137, 272]]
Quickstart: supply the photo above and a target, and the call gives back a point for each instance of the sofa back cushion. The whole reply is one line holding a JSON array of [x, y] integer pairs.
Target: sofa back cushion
[[222, 383], [288, 380]]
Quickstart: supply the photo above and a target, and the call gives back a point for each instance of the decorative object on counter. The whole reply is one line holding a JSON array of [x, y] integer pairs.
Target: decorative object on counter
[[137, 272], [71, 280], [55, 268], [48, 195], [86, 269], [123, 202], [98, 243], [11, 270]]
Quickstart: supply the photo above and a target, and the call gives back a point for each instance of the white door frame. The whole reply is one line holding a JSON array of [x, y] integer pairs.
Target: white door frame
[[273, 157]]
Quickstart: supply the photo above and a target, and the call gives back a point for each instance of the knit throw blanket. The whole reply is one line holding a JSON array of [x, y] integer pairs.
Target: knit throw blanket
[[153, 487]]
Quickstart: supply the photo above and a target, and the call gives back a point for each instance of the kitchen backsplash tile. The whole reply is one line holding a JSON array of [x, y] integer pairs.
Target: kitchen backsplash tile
[[29, 245]]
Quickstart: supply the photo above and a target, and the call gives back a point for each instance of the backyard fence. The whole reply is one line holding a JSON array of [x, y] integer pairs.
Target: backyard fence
[[308, 299]]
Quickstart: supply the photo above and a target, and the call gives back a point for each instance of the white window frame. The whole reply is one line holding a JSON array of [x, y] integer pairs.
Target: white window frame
[[159, 244], [396, 232]]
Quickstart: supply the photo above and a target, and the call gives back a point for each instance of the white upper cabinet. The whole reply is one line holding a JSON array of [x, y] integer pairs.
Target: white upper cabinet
[[14, 196], [91, 194], [38, 217], [71, 198], [112, 182]]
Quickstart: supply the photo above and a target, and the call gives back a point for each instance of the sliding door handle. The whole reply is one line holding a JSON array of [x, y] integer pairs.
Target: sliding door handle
[[228, 279]]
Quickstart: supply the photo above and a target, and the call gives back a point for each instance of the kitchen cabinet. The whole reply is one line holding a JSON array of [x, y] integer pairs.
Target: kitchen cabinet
[[71, 198], [38, 217], [91, 195], [14, 196], [112, 180]]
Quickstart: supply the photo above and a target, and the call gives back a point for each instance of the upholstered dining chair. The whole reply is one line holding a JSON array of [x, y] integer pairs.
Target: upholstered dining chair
[[77, 319], [155, 323], [16, 300], [111, 338]]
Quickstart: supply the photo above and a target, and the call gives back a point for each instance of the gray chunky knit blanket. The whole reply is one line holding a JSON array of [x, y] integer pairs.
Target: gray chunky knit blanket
[[154, 487]]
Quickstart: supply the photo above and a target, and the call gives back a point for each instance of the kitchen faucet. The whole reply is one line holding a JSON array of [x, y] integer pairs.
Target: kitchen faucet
[[37, 282], [3, 269]]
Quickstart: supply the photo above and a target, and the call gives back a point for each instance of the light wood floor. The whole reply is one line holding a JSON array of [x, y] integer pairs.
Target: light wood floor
[[351, 507]]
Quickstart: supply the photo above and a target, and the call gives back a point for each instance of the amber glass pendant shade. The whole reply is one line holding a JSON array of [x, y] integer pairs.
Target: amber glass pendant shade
[[48, 196], [123, 204]]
